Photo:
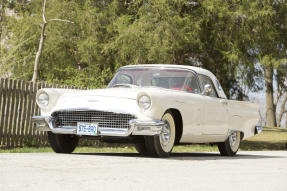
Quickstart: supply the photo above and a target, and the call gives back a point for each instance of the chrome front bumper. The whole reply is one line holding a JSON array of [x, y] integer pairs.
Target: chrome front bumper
[[137, 127]]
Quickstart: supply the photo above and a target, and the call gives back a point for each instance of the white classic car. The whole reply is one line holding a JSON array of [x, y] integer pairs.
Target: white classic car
[[153, 106]]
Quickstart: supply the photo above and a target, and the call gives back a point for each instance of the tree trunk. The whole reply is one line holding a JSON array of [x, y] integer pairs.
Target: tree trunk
[[37, 59], [282, 109], [41, 43], [270, 108]]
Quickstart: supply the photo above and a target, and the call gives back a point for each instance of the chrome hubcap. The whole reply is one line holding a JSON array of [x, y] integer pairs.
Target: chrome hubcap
[[233, 138], [165, 134], [233, 141]]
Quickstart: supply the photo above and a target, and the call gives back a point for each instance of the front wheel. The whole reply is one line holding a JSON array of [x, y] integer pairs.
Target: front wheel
[[231, 145], [162, 144], [141, 148], [62, 143]]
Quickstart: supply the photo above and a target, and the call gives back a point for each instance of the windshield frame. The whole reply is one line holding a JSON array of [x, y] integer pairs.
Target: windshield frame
[[159, 68]]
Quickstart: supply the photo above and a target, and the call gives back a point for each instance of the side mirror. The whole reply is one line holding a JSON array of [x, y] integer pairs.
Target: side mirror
[[207, 89]]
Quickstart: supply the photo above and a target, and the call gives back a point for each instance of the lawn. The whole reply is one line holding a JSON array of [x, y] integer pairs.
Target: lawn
[[269, 139]]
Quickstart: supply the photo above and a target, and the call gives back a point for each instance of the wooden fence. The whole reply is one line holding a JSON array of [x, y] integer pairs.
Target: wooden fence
[[17, 106]]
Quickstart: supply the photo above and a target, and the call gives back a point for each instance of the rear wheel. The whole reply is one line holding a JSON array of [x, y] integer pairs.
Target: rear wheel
[[61, 143], [231, 145], [162, 145]]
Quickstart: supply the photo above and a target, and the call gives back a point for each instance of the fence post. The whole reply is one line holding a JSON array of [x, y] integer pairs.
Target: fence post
[[3, 108], [11, 112], [19, 112], [24, 113], [7, 112]]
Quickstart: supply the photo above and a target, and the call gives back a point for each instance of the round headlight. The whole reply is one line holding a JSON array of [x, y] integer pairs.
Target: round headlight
[[43, 99], [144, 102]]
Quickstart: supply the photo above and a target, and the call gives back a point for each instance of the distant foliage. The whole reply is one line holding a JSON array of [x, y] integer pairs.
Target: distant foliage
[[227, 37]]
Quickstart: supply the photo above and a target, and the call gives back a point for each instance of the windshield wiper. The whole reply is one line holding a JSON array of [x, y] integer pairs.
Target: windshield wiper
[[124, 85]]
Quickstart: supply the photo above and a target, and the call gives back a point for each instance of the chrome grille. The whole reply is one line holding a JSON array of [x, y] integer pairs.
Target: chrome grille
[[104, 119]]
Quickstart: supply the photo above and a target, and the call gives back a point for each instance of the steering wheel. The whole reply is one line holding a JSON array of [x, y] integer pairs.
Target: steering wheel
[[179, 87]]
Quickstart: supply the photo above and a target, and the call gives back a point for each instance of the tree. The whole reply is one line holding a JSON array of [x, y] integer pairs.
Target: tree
[[267, 25], [281, 92], [282, 110], [206, 34], [225, 47], [3, 6], [43, 35]]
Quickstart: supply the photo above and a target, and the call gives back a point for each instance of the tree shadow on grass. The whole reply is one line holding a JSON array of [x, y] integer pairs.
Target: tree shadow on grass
[[262, 145], [186, 156], [275, 130]]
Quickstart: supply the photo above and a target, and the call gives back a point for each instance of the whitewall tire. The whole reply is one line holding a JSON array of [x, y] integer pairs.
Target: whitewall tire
[[231, 145], [162, 145]]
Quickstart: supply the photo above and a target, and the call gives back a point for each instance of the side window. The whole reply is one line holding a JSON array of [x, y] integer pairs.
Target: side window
[[206, 80], [192, 83], [124, 79]]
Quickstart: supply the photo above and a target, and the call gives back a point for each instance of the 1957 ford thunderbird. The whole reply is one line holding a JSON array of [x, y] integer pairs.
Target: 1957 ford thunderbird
[[153, 106]]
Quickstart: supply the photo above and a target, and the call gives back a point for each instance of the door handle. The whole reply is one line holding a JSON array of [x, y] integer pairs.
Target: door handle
[[223, 101]]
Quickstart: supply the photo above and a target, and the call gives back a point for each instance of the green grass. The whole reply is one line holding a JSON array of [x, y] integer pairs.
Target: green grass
[[269, 139], [27, 150], [126, 149], [272, 138]]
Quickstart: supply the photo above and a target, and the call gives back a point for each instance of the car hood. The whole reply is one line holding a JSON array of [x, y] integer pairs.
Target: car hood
[[118, 100], [125, 93]]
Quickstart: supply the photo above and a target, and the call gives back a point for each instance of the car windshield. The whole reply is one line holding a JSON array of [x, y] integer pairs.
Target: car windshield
[[176, 79]]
